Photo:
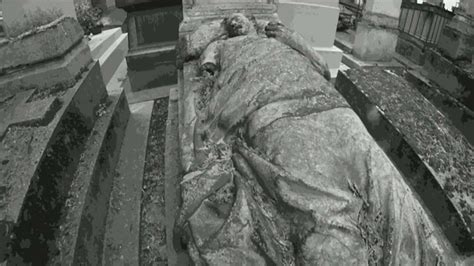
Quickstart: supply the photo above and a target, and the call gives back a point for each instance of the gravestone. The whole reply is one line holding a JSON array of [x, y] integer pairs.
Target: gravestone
[[22, 13], [377, 32], [152, 34], [316, 21]]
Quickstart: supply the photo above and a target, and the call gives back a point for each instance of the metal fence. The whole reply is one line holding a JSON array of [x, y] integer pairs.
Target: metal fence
[[423, 21]]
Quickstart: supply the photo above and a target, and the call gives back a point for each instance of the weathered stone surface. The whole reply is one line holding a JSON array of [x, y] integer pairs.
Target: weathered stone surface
[[457, 38], [80, 238], [36, 165], [308, 176], [454, 78], [152, 67], [58, 74], [434, 157], [373, 43], [45, 43], [18, 112], [20, 13]]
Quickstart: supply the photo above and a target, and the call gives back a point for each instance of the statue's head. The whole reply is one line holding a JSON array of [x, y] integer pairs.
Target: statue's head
[[238, 24]]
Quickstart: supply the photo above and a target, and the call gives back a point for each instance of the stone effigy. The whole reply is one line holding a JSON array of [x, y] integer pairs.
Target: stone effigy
[[278, 169]]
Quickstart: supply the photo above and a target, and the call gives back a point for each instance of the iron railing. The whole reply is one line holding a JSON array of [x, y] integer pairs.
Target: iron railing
[[423, 21]]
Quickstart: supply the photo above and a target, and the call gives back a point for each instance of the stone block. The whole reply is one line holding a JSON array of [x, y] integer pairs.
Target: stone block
[[19, 12], [154, 26], [101, 42], [112, 58], [151, 68], [62, 72], [374, 43], [457, 39], [17, 111], [331, 55], [45, 43], [454, 79], [434, 158], [37, 164], [410, 48], [316, 23]]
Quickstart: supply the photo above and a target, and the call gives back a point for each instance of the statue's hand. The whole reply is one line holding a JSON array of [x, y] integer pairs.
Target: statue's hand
[[275, 30]]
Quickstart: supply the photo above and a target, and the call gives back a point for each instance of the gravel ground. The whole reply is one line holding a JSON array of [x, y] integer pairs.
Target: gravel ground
[[152, 229]]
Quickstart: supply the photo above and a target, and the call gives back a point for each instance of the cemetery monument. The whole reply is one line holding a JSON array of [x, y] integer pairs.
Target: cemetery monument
[[276, 167]]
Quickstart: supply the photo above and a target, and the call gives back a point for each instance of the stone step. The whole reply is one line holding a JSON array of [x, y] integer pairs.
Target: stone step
[[121, 244], [433, 156], [101, 42], [111, 59], [80, 238], [41, 158]]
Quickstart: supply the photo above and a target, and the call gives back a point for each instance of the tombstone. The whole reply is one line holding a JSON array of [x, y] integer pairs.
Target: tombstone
[[377, 32], [23, 13], [315, 20], [152, 35]]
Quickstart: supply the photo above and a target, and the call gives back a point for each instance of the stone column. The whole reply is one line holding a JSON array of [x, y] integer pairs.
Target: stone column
[[19, 15], [377, 32], [316, 21]]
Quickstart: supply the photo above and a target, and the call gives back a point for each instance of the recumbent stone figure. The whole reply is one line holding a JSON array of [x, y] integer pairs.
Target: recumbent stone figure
[[281, 170]]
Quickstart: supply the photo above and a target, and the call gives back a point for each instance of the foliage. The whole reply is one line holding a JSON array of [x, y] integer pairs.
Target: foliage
[[34, 20], [88, 17]]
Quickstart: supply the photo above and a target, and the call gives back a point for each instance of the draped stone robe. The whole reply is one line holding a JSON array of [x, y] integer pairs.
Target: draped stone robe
[[284, 172]]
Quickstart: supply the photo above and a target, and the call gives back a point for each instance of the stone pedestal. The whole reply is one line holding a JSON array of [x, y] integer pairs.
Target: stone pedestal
[[153, 33], [377, 32], [316, 21], [24, 13]]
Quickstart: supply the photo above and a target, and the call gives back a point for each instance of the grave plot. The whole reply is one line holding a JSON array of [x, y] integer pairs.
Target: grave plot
[[434, 157]]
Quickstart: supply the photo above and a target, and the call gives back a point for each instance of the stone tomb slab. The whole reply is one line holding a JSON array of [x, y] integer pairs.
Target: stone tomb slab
[[37, 161], [18, 111], [432, 155]]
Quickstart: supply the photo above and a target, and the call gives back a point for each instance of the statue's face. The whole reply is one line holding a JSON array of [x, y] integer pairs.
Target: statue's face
[[238, 25]]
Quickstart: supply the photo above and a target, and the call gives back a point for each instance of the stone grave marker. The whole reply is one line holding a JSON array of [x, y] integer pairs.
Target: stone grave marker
[[152, 34]]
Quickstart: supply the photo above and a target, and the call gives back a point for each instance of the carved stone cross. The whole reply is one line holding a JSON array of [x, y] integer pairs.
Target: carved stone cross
[[18, 111]]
